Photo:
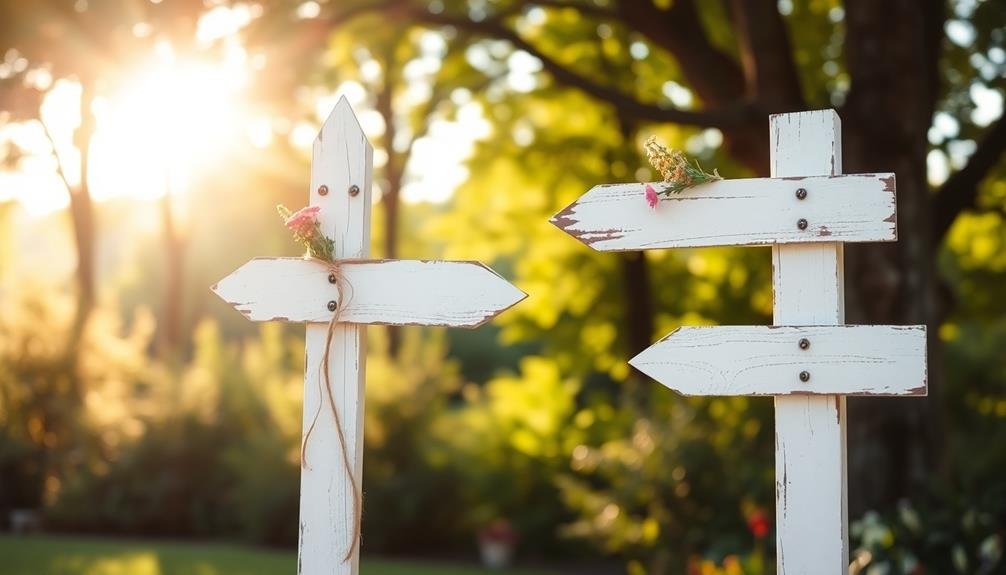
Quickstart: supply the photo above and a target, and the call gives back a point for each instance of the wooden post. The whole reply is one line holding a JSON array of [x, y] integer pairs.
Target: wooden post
[[390, 292], [342, 161], [810, 459], [805, 211]]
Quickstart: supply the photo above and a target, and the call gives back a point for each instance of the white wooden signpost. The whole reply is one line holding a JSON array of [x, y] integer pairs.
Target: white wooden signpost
[[395, 292], [805, 211]]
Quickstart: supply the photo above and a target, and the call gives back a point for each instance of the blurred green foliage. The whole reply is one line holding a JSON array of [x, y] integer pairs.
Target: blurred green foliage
[[538, 419], [961, 535]]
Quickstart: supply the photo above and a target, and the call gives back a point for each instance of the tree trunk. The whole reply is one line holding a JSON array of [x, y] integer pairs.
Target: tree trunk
[[637, 294], [893, 442], [82, 216], [174, 284], [638, 298]]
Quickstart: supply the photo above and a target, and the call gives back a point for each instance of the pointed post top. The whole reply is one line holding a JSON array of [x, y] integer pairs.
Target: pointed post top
[[341, 120], [341, 175]]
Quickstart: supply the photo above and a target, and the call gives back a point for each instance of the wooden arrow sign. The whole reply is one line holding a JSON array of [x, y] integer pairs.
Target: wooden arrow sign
[[757, 211], [806, 212], [395, 292], [390, 292], [772, 360]]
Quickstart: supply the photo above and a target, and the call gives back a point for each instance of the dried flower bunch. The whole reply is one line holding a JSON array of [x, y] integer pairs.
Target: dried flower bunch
[[306, 230], [678, 173]]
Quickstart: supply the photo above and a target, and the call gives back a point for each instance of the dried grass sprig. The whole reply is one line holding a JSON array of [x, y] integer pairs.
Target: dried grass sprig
[[677, 171]]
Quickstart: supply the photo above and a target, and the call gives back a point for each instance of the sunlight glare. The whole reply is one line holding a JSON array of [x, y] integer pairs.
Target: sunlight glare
[[437, 161], [260, 132], [35, 183], [225, 21], [171, 120]]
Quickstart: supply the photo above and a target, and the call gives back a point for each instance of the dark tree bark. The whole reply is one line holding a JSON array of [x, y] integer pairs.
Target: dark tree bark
[[637, 294], [714, 75], [770, 74], [638, 302], [960, 191], [891, 51]]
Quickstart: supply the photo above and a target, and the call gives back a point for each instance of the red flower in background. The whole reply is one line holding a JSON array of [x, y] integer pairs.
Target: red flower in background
[[758, 524], [499, 530]]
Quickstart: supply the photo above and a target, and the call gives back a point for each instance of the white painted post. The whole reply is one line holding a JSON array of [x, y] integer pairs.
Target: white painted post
[[397, 292], [809, 362], [342, 159], [812, 536]]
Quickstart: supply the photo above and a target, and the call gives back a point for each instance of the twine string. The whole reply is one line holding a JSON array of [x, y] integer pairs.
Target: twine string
[[325, 386]]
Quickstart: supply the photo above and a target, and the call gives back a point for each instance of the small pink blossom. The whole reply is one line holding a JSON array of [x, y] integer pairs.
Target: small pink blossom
[[651, 196], [303, 219], [307, 231]]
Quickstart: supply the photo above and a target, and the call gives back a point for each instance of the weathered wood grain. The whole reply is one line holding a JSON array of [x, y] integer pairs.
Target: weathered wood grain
[[812, 535], [391, 292], [758, 211], [764, 360], [397, 292], [806, 212], [342, 157]]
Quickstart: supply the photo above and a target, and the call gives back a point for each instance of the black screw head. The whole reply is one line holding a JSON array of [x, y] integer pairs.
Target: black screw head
[[332, 306], [801, 223], [323, 190], [332, 279], [805, 376], [354, 190], [801, 193], [804, 343]]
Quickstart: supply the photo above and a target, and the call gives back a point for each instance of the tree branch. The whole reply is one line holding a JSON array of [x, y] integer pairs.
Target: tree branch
[[960, 191], [729, 115], [582, 8], [733, 111], [715, 76], [766, 54], [55, 154]]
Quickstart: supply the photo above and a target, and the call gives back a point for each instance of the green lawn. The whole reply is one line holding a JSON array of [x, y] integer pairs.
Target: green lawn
[[53, 555]]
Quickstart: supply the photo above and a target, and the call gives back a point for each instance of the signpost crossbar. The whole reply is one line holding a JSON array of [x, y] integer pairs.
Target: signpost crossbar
[[809, 361], [396, 292]]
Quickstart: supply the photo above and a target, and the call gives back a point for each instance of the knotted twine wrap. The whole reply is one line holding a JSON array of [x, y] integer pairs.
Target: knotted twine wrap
[[335, 271]]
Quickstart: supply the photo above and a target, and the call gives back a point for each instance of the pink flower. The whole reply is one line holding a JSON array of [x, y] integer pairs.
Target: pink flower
[[303, 219], [651, 196]]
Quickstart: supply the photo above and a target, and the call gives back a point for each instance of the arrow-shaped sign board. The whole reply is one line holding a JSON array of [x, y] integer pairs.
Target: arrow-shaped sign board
[[389, 292], [775, 360], [805, 212], [362, 291], [756, 211]]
